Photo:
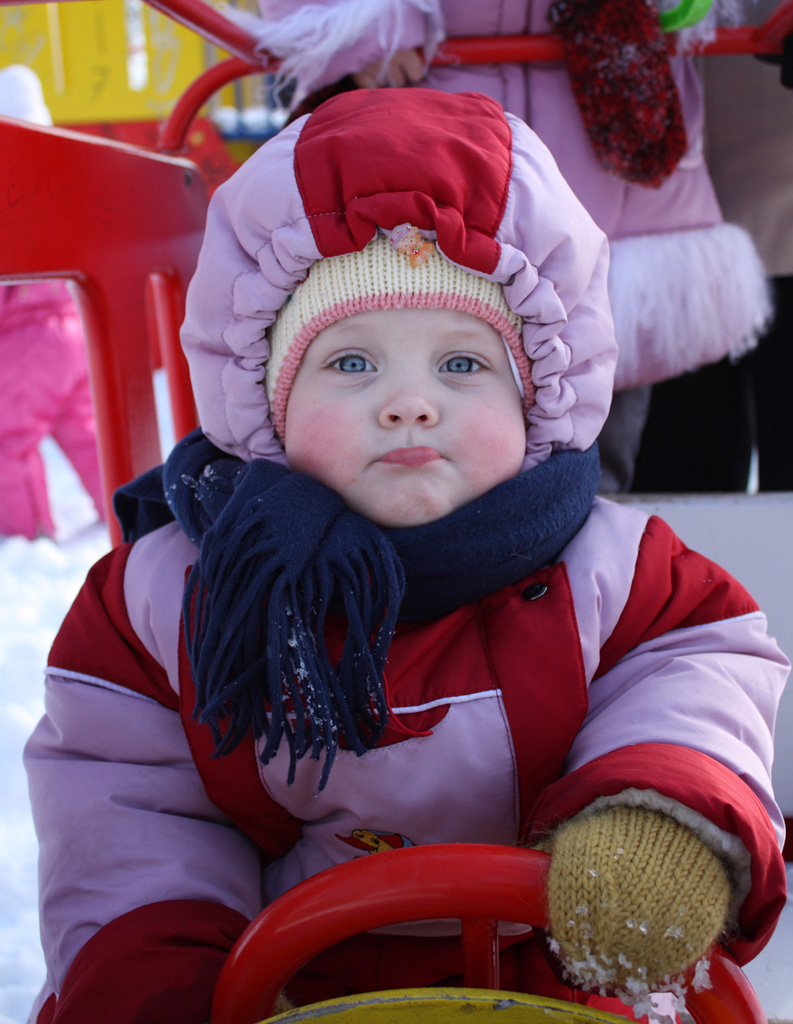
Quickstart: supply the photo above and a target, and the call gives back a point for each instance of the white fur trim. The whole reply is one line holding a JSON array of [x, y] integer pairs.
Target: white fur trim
[[308, 38], [684, 299], [727, 847]]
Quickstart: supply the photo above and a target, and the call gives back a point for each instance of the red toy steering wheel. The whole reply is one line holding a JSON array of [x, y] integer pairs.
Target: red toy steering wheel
[[477, 884]]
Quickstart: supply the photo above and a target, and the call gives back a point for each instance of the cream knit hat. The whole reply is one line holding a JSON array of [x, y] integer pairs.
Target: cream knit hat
[[395, 271]]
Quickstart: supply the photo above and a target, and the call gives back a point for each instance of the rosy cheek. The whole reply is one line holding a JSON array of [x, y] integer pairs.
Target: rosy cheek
[[306, 442], [317, 445], [498, 443]]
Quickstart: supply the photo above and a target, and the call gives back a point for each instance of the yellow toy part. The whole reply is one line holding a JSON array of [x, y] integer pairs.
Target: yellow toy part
[[103, 62], [446, 1006]]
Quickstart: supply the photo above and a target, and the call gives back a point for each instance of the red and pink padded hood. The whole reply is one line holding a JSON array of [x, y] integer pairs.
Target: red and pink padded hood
[[476, 180]]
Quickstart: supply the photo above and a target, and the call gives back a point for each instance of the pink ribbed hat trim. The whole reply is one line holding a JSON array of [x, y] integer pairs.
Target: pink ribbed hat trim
[[395, 300]]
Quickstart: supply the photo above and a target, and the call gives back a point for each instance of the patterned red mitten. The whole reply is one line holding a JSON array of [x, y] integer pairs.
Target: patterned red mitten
[[618, 63]]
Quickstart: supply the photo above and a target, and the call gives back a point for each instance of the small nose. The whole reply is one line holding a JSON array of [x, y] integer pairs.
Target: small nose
[[406, 407]]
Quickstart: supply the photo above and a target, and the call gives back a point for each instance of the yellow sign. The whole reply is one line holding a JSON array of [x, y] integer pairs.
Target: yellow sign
[[104, 61]]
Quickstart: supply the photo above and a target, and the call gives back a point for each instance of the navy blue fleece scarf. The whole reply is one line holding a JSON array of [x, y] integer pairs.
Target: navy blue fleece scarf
[[278, 551]]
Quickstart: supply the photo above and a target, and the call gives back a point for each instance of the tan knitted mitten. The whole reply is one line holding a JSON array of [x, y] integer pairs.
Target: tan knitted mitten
[[634, 898]]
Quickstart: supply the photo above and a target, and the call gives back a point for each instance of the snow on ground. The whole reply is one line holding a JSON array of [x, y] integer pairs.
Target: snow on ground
[[37, 584], [771, 973]]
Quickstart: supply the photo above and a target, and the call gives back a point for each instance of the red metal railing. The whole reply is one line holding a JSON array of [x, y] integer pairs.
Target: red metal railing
[[767, 39], [213, 26], [477, 884]]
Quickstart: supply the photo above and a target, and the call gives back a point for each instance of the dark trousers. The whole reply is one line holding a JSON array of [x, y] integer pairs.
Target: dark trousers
[[699, 432], [702, 427], [771, 370]]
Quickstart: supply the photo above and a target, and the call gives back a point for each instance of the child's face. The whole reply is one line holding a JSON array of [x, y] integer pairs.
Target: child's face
[[408, 414]]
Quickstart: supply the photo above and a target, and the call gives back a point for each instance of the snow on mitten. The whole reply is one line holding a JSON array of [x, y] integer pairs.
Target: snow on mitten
[[618, 63], [634, 898]]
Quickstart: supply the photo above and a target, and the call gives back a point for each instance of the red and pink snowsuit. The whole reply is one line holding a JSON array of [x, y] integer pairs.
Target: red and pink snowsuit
[[44, 391], [629, 671]]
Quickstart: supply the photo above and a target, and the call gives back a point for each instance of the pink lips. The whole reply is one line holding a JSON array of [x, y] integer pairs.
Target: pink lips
[[417, 456]]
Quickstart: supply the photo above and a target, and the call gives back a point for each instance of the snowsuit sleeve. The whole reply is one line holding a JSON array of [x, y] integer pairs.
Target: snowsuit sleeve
[[144, 884], [320, 43], [681, 712]]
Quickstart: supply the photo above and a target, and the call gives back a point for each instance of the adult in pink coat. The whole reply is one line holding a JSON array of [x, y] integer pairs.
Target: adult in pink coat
[[686, 289]]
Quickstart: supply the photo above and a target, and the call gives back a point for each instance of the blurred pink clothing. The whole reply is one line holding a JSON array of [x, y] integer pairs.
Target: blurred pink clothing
[[44, 390]]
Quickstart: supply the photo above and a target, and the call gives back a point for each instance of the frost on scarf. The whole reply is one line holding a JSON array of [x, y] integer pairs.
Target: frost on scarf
[[309, 38]]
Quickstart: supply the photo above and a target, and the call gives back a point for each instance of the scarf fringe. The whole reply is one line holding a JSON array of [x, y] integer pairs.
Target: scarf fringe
[[280, 551], [255, 609]]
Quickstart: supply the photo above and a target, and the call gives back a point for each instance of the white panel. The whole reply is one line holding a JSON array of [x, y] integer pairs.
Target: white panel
[[750, 535]]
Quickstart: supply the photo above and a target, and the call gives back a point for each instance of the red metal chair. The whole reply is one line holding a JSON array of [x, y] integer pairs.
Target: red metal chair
[[124, 226], [478, 884]]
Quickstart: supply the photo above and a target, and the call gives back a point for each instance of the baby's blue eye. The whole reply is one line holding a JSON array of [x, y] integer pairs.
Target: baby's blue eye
[[461, 364], [353, 364]]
